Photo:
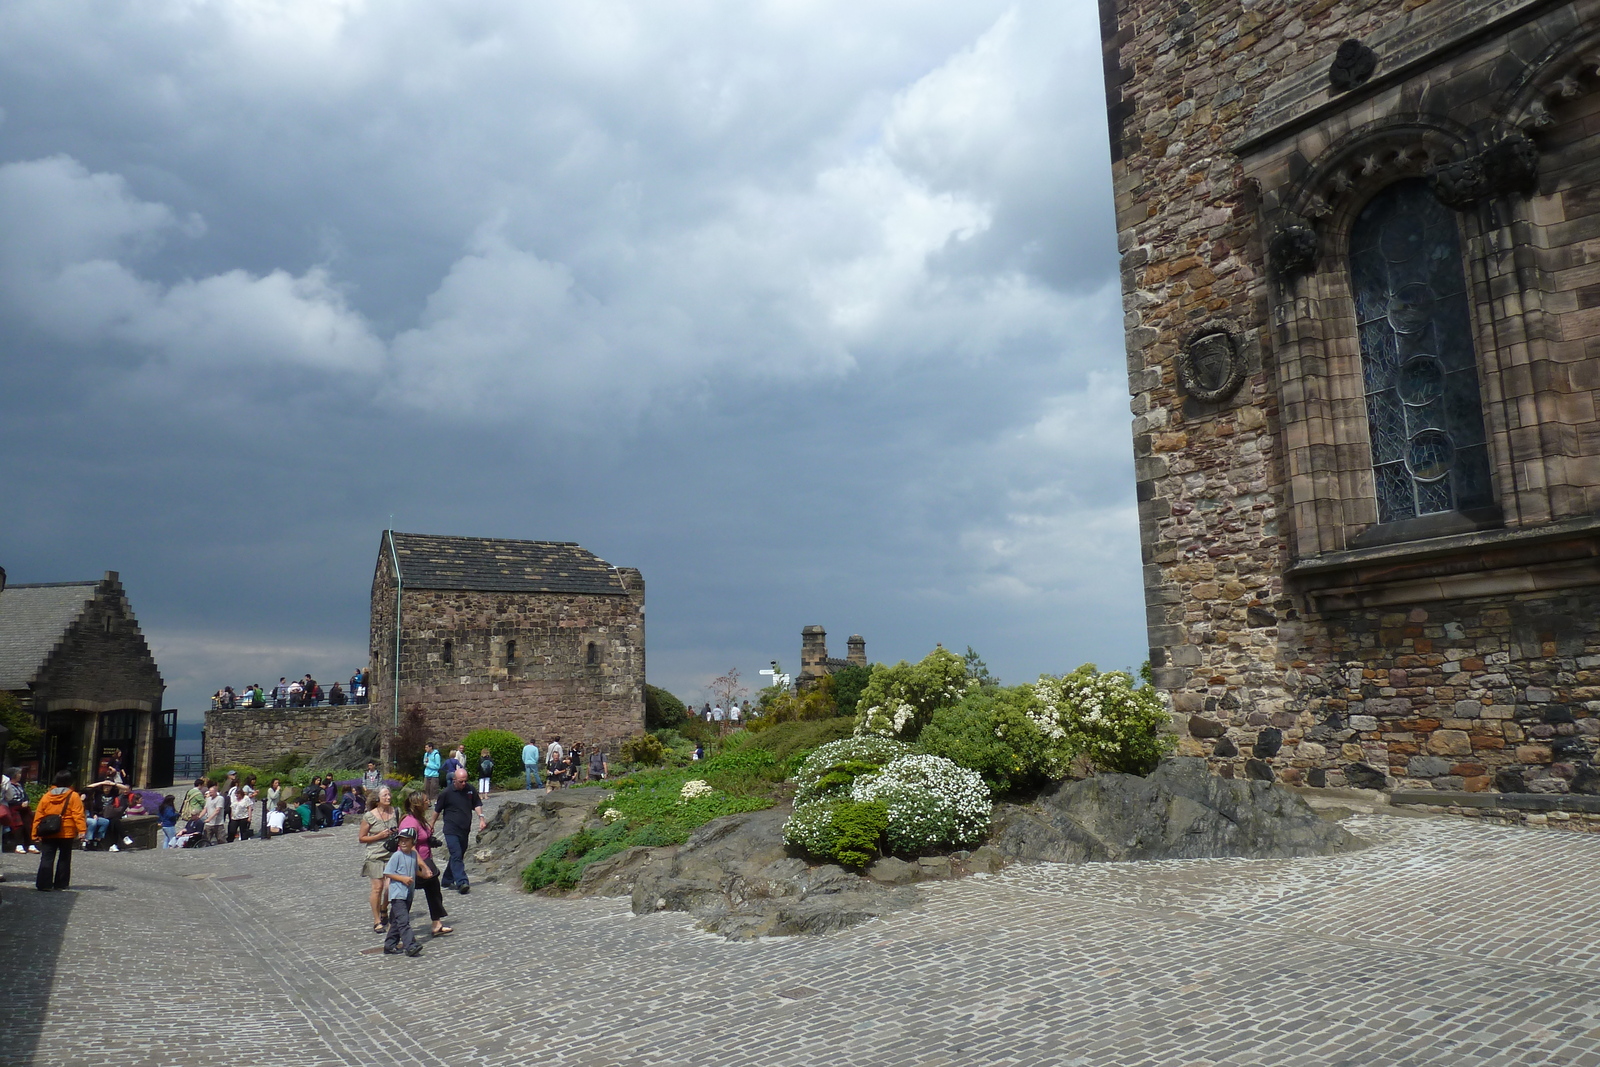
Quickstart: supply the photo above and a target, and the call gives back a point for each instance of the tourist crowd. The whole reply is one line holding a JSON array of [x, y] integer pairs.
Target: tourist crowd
[[305, 692]]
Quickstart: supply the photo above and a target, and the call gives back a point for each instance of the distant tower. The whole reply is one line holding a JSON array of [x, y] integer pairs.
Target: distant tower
[[813, 655], [857, 656]]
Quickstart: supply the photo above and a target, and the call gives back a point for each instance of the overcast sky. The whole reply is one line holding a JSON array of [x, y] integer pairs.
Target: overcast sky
[[807, 310]]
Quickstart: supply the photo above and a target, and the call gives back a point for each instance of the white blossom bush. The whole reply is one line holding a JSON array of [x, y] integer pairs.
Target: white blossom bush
[[611, 815], [830, 768], [1101, 716], [931, 802], [898, 701], [695, 787], [838, 830]]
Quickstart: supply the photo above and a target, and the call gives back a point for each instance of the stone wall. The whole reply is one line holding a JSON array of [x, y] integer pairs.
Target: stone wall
[[538, 664], [256, 737], [1296, 638]]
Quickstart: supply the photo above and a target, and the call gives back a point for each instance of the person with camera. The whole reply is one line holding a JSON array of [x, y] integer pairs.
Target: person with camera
[[58, 824], [379, 826]]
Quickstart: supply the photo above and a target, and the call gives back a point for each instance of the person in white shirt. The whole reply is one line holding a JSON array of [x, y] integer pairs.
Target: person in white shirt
[[275, 820], [733, 715]]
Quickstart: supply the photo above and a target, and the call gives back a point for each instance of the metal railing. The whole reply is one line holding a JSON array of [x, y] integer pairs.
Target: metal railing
[[242, 700]]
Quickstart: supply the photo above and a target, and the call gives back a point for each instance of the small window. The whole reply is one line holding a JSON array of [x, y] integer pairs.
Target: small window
[[511, 652], [106, 622], [593, 656], [449, 652]]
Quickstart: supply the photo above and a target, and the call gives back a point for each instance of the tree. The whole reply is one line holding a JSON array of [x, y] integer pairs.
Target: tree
[[978, 671], [726, 688], [662, 710], [25, 730]]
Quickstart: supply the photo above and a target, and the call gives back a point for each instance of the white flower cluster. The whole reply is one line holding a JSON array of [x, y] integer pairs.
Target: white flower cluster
[[695, 787], [808, 827], [829, 767], [611, 815], [932, 802], [1092, 713]]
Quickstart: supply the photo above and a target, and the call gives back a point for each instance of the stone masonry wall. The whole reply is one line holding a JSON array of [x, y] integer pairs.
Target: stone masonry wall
[[256, 737], [1494, 686], [550, 688]]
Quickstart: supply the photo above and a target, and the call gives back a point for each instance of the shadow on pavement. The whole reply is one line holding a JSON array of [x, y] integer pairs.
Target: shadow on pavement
[[32, 925]]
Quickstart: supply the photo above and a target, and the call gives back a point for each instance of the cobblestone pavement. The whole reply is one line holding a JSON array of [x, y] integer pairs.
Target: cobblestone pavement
[[1448, 942]]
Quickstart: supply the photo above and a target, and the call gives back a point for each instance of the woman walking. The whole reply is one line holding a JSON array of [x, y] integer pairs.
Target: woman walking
[[169, 819], [380, 821], [427, 873], [58, 824]]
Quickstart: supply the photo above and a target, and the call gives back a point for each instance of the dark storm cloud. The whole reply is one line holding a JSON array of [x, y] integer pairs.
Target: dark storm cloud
[[809, 312]]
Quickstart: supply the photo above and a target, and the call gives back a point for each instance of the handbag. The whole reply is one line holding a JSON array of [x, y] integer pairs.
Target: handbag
[[49, 826]]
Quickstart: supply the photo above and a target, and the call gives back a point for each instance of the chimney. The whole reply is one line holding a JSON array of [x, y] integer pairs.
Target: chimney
[[858, 651], [813, 654]]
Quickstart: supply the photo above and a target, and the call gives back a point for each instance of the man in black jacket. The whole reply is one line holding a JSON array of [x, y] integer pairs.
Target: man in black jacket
[[458, 805]]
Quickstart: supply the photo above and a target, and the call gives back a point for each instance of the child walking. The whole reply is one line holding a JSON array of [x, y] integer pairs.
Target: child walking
[[485, 772], [400, 874]]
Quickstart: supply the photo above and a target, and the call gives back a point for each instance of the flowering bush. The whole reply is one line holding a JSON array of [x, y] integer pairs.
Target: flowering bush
[[990, 731], [611, 815], [830, 768], [1101, 716], [838, 829], [930, 802], [898, 701], [695, 787]]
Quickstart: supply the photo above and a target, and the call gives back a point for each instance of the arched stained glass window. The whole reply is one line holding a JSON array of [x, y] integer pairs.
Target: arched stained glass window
[[1429, 453]]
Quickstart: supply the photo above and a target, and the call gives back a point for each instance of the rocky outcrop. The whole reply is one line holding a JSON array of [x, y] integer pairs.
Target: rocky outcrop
[[738, 879], [352, 751], [1181, 811], [519, 831]]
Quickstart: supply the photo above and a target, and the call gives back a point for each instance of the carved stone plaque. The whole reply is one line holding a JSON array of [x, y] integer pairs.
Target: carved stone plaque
[[1210, 367]]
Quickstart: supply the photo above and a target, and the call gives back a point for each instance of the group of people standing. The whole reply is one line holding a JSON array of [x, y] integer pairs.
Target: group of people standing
[[306, 692], [559, 766]]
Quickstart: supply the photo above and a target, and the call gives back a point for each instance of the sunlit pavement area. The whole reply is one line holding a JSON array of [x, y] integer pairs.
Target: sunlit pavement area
[[1447, 942]]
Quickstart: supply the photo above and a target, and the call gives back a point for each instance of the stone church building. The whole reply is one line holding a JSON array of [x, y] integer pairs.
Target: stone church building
[[72, 654], [541, 638], [1360, 248], [816, 664]]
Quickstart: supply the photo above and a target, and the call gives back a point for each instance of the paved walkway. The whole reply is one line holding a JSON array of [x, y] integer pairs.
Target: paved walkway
[[1447, 943]]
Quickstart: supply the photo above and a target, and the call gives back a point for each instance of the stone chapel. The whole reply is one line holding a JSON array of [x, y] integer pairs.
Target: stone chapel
[[1360, 253]]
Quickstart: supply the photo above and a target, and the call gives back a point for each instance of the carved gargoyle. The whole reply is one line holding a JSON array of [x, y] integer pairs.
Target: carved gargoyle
[[1352, 65], [1292, 248], [1510, 165]]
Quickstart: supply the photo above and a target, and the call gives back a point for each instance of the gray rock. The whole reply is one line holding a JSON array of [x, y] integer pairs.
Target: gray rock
[[1428, 766], [1365, 776], [352, 750], [1181, 811], [891, 871]]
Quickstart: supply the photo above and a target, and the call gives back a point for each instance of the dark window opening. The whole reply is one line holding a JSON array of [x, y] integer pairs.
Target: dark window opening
[[1429, 451], [593, 654], [449, 652], [511, 652]]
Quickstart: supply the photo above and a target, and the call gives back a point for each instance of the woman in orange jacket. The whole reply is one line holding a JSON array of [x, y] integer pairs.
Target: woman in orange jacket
[[58, 826]]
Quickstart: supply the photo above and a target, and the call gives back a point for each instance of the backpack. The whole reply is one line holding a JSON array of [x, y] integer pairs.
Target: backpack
[[485, 766]]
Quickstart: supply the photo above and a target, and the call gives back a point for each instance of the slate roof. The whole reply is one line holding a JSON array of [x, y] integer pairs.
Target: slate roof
[[32, 619], [490, 565]]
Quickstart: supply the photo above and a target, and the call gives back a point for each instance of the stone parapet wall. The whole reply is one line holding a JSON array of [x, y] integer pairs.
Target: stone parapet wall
[[256, 737]]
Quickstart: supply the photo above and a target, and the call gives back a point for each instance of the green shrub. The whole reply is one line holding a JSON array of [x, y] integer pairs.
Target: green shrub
[[816, 702], [505, 748], [848, 682], [284, 764], [898, 701], [932, 803], [1104, 717], [990, 732], [840, 830], [645, 749], [662, 710], [832, 768], [791, 742], [26, 733]]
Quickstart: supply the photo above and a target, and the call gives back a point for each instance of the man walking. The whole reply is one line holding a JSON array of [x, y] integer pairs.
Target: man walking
[[430, 769], [530, 767], [458, 805]]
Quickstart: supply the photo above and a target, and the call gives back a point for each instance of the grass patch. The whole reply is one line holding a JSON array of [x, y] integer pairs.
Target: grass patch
[[747, 772]]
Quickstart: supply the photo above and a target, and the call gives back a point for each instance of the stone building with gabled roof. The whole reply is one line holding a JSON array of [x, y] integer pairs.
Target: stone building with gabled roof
[[541, 638], [73, 655]]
